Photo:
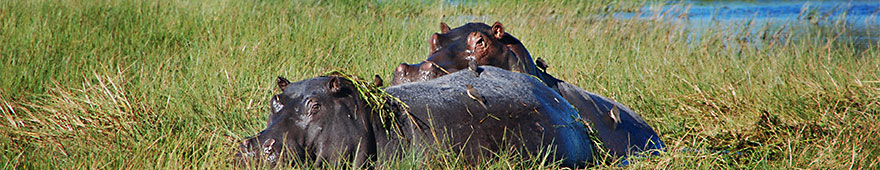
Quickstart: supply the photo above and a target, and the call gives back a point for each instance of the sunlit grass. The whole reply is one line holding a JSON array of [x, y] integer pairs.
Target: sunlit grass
[[179, 84]]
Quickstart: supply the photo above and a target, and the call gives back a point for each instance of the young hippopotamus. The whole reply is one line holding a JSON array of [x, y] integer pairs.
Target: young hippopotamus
[[326, 119], [405, 73], [622, 131]]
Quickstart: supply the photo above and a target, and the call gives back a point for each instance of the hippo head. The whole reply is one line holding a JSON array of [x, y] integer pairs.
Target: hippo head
[[487, 49], [447, 36], [319, 119], [406, 73], [453, 49]]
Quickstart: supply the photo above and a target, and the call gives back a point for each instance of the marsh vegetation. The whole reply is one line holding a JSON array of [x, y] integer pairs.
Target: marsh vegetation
[[179, 84]]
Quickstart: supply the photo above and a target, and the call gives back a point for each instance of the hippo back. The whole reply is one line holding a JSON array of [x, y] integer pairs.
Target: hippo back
[[621, 130], [518, 108]]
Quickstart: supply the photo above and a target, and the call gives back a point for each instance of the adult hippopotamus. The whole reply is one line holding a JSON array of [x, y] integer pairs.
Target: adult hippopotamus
[[488, 45], [328, 119], [620, 129], [450, 55]]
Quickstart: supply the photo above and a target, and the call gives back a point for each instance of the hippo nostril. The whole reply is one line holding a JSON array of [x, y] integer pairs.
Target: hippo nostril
[[428, 65], [244, 145], [248, 142], [245, 150], [401, 68], [268, 150], [267, 145]]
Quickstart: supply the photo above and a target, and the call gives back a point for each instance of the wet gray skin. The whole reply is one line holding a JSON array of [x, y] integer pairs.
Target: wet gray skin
[[321, 119]]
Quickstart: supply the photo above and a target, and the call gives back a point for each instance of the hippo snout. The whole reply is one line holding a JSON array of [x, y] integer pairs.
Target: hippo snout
[[255, 148], [244, 150], [406, 73]]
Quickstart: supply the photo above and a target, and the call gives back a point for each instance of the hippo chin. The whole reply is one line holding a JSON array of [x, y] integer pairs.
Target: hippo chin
[[476, 114], [622, 131]]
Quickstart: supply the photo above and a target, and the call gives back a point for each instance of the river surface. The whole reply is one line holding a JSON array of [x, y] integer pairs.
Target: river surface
[[853, 21]]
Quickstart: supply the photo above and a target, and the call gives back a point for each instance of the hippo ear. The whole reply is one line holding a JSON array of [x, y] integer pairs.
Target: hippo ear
[[377, 81], [282, 82], [444, 28], [433, 42], [336, 87], [498, 30]]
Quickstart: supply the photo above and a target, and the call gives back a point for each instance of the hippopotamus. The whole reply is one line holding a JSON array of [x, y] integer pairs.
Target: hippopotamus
[[406, 73], [449, 55], [620, 129], [326, 119], [452, 49]]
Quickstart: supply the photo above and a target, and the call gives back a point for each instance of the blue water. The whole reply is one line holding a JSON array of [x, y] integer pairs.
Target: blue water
[[740, 10], [854, 21]]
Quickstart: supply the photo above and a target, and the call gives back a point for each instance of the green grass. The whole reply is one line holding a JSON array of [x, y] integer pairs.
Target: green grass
[[179, 84]]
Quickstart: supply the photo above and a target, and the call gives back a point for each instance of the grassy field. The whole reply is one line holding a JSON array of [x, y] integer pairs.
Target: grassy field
[[178, 84]]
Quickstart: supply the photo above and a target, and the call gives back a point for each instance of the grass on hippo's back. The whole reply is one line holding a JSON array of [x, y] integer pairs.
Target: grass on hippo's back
[[178, 84]]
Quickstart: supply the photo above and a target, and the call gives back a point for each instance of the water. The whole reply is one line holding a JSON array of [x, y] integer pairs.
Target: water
[[850, 21]]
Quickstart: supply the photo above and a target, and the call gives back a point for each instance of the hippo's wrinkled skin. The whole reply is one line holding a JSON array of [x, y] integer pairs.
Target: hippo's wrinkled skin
[[323, 119], [620, 129]]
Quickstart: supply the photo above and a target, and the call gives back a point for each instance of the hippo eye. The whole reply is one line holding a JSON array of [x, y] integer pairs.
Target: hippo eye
[[313, 106], [316, 106]]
